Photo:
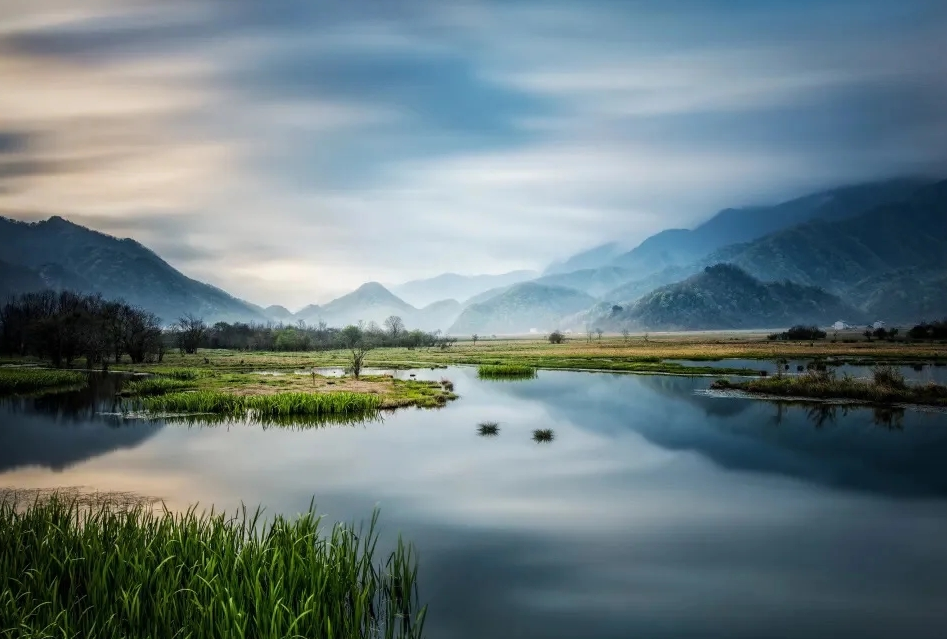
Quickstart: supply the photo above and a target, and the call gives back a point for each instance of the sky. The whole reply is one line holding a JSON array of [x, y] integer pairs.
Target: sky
[[290, 150]]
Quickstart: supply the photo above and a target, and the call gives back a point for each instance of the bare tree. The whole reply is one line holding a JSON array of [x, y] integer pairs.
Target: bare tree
[[358, 344], [599, 332], [589, 331], [190, 332], [394, 326], [625, 333], [475, 337]]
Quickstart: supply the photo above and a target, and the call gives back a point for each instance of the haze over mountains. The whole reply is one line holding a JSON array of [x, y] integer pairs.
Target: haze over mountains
[[871, 251]]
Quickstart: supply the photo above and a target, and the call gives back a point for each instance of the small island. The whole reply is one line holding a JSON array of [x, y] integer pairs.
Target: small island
[[886, 387]]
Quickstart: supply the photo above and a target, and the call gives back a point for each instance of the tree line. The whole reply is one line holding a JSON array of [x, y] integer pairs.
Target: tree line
[[63, 327]]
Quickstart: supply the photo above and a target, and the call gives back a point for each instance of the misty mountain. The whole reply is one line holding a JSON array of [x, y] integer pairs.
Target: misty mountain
[[372, 302], [595, 282], [592, 258], [68, 256], [681, 247], [907, 295], [279, 313], [520, 308], [16, 279], [457, 287], [725, 297]]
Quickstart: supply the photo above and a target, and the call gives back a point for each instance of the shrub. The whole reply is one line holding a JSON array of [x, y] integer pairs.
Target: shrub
[[889, 376], [556, 337]]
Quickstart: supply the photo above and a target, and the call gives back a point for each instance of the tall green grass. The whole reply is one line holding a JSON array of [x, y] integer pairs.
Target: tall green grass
[[155, 386], [270, 406], [72, 571], [28, 380], [505, 371]]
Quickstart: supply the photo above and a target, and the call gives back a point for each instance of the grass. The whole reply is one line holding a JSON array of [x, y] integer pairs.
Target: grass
[[155, 385], [73, 571], [30, 380], [506, 371], [488, 429], [266, 406], [887, 386], [543, 435]]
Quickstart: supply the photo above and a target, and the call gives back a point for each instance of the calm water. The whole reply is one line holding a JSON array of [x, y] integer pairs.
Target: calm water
[[656, 511]]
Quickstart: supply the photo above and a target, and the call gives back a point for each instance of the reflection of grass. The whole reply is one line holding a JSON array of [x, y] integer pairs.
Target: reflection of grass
[[488, 429], [506, 371], [71, 570], [295, 422], [541, 435], [886, 387], [29, 380]]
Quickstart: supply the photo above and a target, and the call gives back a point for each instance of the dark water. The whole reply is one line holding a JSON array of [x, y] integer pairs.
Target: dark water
[[655, 512], [921, 373]]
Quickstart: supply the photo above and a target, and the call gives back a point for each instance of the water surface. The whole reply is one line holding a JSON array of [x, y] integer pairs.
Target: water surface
[[655, 512]]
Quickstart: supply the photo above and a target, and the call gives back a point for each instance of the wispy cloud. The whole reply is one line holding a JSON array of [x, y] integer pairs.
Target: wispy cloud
[[290, 151]]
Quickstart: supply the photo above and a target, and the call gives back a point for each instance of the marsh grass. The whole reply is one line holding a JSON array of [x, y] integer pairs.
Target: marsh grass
[[506, 371], [886, 387], [30, 380], [155, 385], [488, 429], [72, 571], [277, 405], [543, 435]]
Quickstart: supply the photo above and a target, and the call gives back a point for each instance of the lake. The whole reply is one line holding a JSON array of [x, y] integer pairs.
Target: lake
[[656, 511]]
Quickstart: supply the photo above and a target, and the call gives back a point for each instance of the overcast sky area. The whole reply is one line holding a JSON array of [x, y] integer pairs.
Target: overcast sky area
[[288, 151]]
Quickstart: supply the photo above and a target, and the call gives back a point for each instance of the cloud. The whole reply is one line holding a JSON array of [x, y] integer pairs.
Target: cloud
[[291, 153]]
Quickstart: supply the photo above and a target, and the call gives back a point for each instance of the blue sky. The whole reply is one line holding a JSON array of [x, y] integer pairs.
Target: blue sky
[[290, 150]]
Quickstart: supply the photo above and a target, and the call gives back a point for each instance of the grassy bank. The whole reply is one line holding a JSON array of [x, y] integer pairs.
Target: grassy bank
[[31, 380], [276, 405], [72, 571], [307, 394], [886, 387]]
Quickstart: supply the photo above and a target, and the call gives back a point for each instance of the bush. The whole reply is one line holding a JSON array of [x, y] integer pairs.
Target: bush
[[889, 376], [556, 337]]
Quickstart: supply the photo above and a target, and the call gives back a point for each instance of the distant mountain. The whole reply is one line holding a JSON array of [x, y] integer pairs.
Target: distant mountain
[[279, 313], [907, 295], [726, 297], [592, 258], [68, 256], [680, 247], [595, 282], [15, 280], [454, 286], [520, 308], [372, 302]]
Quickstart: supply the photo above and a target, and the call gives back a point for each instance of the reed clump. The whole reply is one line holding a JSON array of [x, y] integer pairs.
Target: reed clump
[[72, 571], [506, 371], [275, 405], [29, 380], [543, 435], [488, 429], [155, 385]]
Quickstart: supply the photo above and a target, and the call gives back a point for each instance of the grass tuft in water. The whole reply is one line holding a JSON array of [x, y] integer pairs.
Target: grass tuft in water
[[106, 572], [506, 371], [488, 429], [542, 435], [149, 386], [29, 380], [266, 406]]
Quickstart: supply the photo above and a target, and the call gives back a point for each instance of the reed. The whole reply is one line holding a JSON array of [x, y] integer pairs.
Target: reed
[[29, 380], [155, 385], [488, 429], [506, 371], [267, 406], [73, 571], [543, 435]]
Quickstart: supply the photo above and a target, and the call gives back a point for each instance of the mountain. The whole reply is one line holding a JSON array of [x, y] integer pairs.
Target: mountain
[[725, 297], [68, 256], [592, 258], [907, 295], [279, 313], [593, 281], [681, 247], [372, 302], [520, 308], [15, 280], [454, 286]]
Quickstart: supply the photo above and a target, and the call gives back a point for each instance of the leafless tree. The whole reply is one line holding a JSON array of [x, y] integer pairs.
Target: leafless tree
[[625, 333], [599, 332], [394, 325], [475, 337], [190, 331], [358, 344], [589, 331]]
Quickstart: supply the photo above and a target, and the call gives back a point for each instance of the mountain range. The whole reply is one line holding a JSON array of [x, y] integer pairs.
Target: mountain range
[[875, 250]]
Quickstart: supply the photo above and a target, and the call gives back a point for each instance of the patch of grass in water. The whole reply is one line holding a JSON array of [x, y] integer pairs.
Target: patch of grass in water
[[155, 385], [30, 380], [265, 406], [543, 435], [488, 429], [506, 371], [73, 571]]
